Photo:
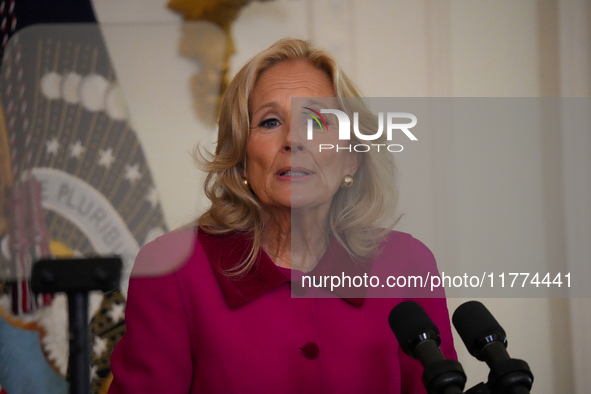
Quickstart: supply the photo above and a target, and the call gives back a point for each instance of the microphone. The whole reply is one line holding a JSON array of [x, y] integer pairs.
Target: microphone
[[486, 340], [419, 337]]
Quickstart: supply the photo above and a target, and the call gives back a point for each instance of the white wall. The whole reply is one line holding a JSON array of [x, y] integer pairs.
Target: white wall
[[494, 54], [395, 48]]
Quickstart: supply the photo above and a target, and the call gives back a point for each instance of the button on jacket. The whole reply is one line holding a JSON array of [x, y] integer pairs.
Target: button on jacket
[[194, 330]]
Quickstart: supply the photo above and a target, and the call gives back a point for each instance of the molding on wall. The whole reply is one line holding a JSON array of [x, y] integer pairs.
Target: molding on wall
[[327, 20], [574, 24], [575, 81], [438, 46]]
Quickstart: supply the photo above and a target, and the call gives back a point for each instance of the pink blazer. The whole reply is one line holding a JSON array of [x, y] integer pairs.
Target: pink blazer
[[193, 330]]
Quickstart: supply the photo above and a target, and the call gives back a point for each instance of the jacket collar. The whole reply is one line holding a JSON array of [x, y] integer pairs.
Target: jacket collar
[[226, 251]]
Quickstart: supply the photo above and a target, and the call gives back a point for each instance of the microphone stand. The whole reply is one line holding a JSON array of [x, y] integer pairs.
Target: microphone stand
[[485, 388], [480, 388], [507, 376], [444, 377], [77, 277]]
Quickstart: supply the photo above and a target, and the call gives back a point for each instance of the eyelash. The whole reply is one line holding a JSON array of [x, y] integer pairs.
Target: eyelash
[[265, 123]]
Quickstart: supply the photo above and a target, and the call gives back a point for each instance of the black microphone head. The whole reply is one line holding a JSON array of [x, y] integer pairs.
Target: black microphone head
[[411, 325], [477, 327]]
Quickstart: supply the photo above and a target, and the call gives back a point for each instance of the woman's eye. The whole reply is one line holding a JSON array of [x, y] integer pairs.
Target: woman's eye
[[269, 123], [317, 124]]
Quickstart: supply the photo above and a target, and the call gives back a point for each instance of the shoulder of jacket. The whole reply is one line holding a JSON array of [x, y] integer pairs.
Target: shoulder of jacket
[[400, 238], [405, 243], [165, 254]]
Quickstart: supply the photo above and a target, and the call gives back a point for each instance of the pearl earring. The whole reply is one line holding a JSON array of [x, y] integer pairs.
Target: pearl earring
[[347, 181]]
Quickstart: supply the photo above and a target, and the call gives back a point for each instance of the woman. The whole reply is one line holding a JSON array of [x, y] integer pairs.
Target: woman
[[225, 319]]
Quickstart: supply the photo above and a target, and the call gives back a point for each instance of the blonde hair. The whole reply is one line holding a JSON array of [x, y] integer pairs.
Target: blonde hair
[[354, 211]]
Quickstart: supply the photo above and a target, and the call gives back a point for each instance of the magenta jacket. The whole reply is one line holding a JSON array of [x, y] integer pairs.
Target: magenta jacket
[[193, 330]]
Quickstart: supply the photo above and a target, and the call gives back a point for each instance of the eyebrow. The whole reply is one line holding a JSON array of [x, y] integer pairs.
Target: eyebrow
[[275, 104], [312, 101], [271, 104]]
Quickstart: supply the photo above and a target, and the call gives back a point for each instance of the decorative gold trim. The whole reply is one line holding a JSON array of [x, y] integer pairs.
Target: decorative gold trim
[[210, 84]]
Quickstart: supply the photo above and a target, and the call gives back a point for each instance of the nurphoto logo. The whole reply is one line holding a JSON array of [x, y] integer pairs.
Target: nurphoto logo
[[392, 124]]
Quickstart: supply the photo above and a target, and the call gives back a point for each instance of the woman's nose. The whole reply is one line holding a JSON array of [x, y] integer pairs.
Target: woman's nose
[[293, 139], [295, 147], [293, 143]]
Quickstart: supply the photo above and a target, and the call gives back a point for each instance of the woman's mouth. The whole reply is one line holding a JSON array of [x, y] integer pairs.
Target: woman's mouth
[[294, 172]]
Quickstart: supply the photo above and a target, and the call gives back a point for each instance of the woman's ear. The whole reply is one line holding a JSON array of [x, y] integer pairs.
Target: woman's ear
[[354, 163]]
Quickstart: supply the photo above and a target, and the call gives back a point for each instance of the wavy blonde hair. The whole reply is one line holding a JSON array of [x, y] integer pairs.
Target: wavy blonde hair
[[354, 212]]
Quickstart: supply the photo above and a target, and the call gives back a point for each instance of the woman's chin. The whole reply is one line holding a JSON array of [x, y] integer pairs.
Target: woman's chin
[[304, 202], [299, 202]]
